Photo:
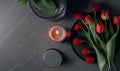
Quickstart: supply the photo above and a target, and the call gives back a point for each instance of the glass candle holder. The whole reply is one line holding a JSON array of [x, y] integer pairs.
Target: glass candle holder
[[49, 9]]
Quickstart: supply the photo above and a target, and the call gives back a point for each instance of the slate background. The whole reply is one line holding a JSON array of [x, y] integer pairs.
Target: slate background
[[24, 36]]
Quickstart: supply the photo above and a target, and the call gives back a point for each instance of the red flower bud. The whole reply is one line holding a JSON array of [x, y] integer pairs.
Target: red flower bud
[[78, 27], [95, 6], [77, 41], [85, 51], [79, 15], [105, 14], [89, 59], [116, 20], [88, 19], [100, 28]]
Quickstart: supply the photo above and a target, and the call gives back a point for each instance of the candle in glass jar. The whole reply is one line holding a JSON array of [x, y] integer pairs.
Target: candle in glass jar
[[58, 33]]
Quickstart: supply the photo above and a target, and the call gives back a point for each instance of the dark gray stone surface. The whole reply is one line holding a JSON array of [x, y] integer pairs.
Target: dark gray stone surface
[[24, 37]]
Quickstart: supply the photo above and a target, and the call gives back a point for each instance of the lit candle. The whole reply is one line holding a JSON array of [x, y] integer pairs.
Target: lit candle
[[58, 33]]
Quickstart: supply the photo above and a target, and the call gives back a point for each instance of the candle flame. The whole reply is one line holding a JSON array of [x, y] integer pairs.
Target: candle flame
[[57, 33]]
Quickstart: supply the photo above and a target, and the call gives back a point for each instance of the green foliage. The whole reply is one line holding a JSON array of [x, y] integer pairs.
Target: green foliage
[[110, 47]]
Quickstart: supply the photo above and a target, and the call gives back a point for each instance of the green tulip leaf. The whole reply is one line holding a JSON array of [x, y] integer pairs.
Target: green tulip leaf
[[22, 1], [101, 57], [110, 47], [88, 36]]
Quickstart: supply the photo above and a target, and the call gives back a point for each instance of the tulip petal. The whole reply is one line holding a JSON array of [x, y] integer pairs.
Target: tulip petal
[[95, 6], [105, 14]]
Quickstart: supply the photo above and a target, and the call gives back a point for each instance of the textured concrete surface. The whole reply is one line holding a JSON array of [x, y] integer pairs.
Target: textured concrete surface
[[24, 36]]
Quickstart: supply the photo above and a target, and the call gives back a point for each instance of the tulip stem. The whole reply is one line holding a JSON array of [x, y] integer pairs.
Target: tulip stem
[[85, 41], [113, 65], [95, 16], [92, 32], [117, 29], [84, 30], [85, 24], [98, 20], [92, 52], [103, 38], [106, 32], [111, 28], [105, 23], [110, 23]]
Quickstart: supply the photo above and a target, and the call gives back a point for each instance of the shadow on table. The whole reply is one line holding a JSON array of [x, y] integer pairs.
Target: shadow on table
[[75, 5]]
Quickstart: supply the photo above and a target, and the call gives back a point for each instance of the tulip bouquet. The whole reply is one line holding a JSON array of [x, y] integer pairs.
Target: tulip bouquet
[[101, 33]]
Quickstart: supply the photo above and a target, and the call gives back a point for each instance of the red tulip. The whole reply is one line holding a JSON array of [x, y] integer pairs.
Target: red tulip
[[119, 19], [78, 27], [95, 6], [100, 28], [79, 15], [89, 59], [88, 19], [85, 51], [105, 14], [116, 20], [77, 41]]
